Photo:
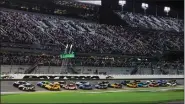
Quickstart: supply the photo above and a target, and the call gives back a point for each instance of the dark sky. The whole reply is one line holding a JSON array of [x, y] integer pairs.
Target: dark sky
[[177, 7], [175, 4]]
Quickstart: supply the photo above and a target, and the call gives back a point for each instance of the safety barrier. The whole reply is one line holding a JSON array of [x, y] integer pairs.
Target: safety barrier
[[88, 76]]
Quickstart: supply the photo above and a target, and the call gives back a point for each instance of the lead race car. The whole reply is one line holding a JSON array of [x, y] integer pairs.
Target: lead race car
[[26, 87]]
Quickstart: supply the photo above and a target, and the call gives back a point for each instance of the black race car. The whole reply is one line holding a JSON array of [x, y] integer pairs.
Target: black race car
[[16, 84]]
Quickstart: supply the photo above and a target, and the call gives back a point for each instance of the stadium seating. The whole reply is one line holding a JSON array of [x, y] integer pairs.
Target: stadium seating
[[152, 22], [27, 30], [47, 32]]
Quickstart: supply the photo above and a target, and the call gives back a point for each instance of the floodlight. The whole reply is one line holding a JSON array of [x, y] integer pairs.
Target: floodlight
[[167, 10], [122, 2], [144, 6]]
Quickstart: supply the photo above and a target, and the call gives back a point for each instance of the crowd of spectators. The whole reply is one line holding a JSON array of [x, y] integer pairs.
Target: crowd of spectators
[[55, 60], [75, 4], [152, 22], [53, 32]]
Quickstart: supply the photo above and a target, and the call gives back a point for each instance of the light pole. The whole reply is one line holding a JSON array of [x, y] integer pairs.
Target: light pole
[[167, 10], [122, 3], [144, 6], [156, 10]]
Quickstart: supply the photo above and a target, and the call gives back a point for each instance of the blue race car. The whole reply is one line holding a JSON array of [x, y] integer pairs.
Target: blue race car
[[81, 83], [142, 84], [43, 84], [162, 83], [86, 87]]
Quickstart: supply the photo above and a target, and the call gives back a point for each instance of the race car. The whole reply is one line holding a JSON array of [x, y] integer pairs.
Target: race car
[[141, 84], [101, 86], [154, 84], [136, 81], [70, 87], [115, 85], [125, 82], [132, 85], [86, 86], [43, 84], [162, 83], [26, 87], [16, 84], [105, 82], [172, 83], [62, 83], [81, 83], [53, 86]]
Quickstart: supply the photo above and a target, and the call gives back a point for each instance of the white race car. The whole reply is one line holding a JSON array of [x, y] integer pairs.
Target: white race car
[[81, 83], [26, 87]]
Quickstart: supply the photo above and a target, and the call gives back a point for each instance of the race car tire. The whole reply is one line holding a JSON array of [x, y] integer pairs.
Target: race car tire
[[20, 88], [24, 89]]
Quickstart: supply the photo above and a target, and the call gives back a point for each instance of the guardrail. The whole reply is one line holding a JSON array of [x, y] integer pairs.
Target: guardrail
[[88, 76]]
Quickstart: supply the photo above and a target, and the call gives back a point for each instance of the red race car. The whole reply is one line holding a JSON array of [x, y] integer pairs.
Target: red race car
[[70, 87], [154, 85]]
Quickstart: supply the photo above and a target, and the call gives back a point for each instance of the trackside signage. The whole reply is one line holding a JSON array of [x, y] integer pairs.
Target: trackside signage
[[87, 76], [60, 77]]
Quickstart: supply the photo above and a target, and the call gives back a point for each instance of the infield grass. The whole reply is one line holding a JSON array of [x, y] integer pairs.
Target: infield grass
[[108, 97]]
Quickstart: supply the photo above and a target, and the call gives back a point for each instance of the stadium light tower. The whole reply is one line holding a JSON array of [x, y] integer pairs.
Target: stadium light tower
[[122, 3], [167, 10], [144, 6]]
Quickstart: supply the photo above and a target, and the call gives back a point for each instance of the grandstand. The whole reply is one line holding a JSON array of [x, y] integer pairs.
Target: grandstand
[[32, 40]]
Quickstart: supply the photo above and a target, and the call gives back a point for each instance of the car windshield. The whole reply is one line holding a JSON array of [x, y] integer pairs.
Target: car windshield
[[62, 82], [28, 85], [83, 82], [46, 82], [22, 82], [103, 85]]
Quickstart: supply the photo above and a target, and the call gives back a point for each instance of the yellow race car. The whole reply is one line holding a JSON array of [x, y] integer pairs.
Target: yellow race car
[[132, 85], [53, 86], [115, 85]]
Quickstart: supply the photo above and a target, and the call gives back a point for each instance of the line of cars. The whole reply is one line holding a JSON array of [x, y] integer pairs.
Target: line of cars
[[84, 85], [151, 83]]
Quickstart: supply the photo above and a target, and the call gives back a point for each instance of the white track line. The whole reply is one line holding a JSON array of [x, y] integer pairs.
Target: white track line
[[96, 92]]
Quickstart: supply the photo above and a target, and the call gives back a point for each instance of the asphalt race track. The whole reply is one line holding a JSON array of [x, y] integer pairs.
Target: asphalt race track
[[7, 86]]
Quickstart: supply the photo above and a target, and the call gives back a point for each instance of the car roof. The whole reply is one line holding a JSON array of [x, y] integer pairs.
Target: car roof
[[27, 84]]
